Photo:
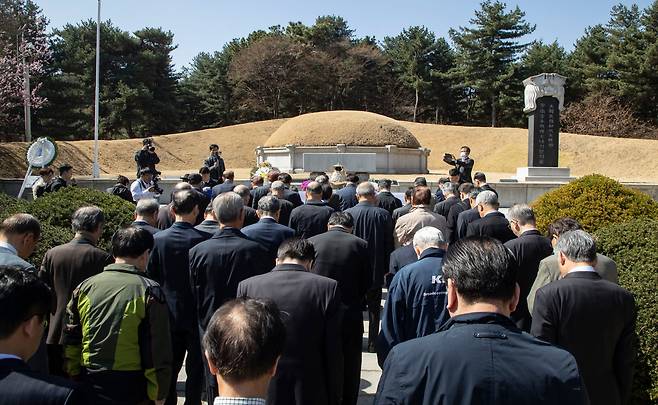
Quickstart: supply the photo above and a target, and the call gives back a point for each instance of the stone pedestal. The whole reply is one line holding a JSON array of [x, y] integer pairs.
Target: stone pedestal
[[544, 174]]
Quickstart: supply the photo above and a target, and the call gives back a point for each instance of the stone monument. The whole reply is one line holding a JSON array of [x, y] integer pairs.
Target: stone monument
[[544, 99]]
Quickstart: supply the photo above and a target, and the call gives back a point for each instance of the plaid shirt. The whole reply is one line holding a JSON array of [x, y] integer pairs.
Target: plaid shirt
[[238, 401]]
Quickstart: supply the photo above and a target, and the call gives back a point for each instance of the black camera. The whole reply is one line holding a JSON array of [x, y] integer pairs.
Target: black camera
[[151, 148]]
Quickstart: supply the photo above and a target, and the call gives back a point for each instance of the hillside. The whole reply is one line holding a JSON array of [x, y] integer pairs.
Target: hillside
[[495, 150]]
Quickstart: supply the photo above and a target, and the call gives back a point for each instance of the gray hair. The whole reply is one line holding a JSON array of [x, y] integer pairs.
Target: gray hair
[[322, 179], [487, 197], [277, 185], [87, 219], [523, 214], [577, 246], [269, 205], [241, 190], [227, 207], [450, 188], [474, 193], [428, 237], [365, 189], [147, 206]]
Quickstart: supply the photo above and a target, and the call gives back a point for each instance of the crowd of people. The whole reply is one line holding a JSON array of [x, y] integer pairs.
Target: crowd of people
[[260, 295]]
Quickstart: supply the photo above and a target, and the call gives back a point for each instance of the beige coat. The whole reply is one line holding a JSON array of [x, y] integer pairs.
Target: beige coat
[[419, 217]]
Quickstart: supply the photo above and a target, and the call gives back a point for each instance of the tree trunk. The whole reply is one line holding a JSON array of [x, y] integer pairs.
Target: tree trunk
[[416, 104], [436, 115], [493, 111]]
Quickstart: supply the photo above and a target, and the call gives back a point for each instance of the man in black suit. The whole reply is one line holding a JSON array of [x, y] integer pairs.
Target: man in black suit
[[529, 248], [463, 165], [250, 214], [471, 214], [169, 266], [343, 257], [400, 257], [347, 194], [209, 224], [375, 226], [480, 181], [218, 264], [479, 356], [278, 190], [165, 215], [290, 194], [311, 218], [310, 371], [226, 186], [451, 194], [263, 190], [146, 215], [385, 199], [406, 208], [25, 304], [267, 231], [590, 317], [491, 223], [454, 211]]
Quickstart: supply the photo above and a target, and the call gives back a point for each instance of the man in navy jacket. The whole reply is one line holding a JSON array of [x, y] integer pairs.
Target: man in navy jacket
[[347, 194], [479, 356], [267, 231]]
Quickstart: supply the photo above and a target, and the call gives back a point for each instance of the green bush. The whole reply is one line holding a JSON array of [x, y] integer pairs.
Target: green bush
[[634, 247], [595, 201], [51, 236]]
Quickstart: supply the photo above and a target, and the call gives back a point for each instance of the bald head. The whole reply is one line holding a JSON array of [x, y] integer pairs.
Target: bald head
[[314, 191]]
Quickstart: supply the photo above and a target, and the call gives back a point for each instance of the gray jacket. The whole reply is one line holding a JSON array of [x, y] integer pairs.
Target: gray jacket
[[8, 257]]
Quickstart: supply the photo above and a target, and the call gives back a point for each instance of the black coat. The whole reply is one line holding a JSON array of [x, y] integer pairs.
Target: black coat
[[219, 264], [310, 371], [164, 217], [443, 208], [21, 386], [451, 219], [494, 225], [487, 187], [209, 226], [400, 257], [310, 219], [343, 257], [258, 193], [528, 249], [479, 358], [286, 210], [465, 218], [145, 225], [225, 187], [375, 226], [269, 234], [347, 196], [250, 216], [388, 201], [293, 197], [594, 320], [398, 212], [169, 266]]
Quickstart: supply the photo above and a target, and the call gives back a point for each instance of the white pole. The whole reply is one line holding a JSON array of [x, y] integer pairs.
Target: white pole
[[96, 169], [26, 83]]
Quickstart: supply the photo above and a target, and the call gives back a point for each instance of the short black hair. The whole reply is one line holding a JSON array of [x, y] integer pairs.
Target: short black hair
[[409, 192], [244, 338], [204, 170], [453, 172], [184, 201], [123, 180], [444, 180], [285, 177], [341, 218], [468, 150], [352, 178], [21, 224], [479, 176], [420, 181], [296, 248], [65, 168], [562, 225], [466, 188], [22, 295], [327, 191], [213, 146], [194, 178], [131, 242], [385, 183], [481, 268]]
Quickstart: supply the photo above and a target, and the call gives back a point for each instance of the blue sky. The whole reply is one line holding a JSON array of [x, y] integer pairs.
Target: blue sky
[[206, 25]]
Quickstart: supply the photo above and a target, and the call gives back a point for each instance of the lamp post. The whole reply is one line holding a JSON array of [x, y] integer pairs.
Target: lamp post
[[26, 89], [96, 169]]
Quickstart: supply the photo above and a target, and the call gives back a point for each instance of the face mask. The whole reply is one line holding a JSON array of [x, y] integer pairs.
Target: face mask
[[463, 155]]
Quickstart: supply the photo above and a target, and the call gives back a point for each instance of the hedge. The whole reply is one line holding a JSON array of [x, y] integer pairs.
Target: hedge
[[595, 201], [634, 247]]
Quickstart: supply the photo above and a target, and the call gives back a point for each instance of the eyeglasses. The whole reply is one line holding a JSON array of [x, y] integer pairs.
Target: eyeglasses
[[44, 323]]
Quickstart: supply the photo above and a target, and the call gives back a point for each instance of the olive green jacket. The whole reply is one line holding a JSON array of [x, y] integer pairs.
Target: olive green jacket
[[118, 321]]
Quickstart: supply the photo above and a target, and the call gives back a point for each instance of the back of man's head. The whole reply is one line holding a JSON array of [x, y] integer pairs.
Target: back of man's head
[[277, 186], [147, 207], [20, 224], [578, 246], [385, 184], [327, 191], [184, 201], [562, 225], [421, 196], [487, 198], [322, 179], [315, 189], [365, 190], [228, 207], [229, 175], [449, 188], [479, 176], [285, 177], [131, 242], [195, 179], [466, 188], [343, 219], [522, 214], [257, 180], [244, 339], [123, 180], [269, 205], [296, 249], [242, 190], [453, 172], [420, 181], [87, 219], [428, 237], [22, 296], [482, 269], [409, 193], [273, 175], [352, 178]]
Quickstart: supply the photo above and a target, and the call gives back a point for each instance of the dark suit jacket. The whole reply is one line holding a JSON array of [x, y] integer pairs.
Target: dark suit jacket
[[63, 268], [343, 257], [21, 386], [258, 193], [310, 219], [388, 201], [219, 264], [443, 208], [464, 219], [487, 187], [528, 249], [400, 257], [494, 225], [594, 320], [347, 196], [269, 234], [479, 358], [451, 219], [225, 187], [209, 226], [398, 212], [145, 225], [286, 210], [310, 370], [375, 226], [169, 266], [293, 197], [164, 217], [250, 216]]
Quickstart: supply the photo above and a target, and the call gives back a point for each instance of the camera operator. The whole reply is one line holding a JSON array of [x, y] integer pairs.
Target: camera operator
[[215, 163], [144, 187], [146, 157]]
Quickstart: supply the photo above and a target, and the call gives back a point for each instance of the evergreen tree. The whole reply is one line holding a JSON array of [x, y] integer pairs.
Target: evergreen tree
[[488, 50], [648, 70]]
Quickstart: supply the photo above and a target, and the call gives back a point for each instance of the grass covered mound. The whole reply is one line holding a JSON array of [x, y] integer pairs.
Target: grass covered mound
[[595, 201]]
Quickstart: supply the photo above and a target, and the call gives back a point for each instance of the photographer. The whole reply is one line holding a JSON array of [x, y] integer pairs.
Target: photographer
[[464, 164], [146, 157], [215, 163], [144, 187]]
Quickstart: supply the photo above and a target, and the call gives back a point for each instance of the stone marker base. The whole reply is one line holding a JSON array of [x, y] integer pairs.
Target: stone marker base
[[544, 174]]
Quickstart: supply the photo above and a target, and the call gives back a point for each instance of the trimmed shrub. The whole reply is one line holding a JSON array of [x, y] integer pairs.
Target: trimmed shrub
[[595, 201], [634, 247], [51, 236], [10, 205]]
